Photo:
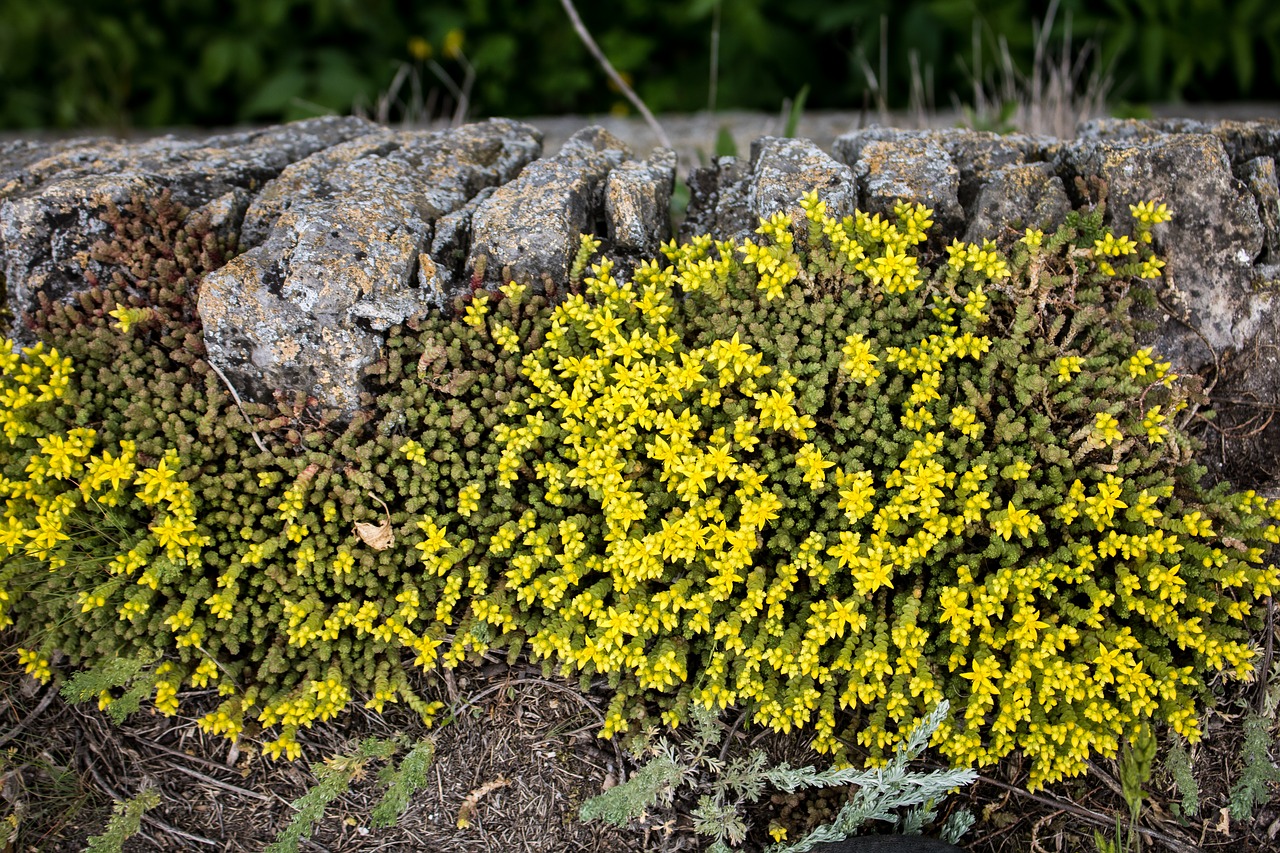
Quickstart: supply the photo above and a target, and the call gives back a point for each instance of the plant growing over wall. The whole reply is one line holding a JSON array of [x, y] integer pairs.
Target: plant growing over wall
[[823, 474]]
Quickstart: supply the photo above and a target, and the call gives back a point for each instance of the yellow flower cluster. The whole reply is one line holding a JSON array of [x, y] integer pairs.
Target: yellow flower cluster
[[776, 263], [68, 483], [659, 573], [697, 508]]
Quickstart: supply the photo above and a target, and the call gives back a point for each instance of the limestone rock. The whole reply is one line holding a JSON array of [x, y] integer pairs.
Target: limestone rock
[[910, 170], [1026, 195], [1247, 140], [50, 205], [1242, 140], [446, 277], [528, 230], [728, 200], [784, 170], [1259, 175], [975, 154], [718, 201], [226, 213], [467, 164], [344, 256], [637, 201], [1133, 129], [1210, 245]]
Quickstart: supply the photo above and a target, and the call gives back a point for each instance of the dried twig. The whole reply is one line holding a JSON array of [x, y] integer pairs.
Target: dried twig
[[239, 405], [30, 718], [626, 90], [1090, 815], [471, 802], [153, 821], [542, 682], [218, 783]]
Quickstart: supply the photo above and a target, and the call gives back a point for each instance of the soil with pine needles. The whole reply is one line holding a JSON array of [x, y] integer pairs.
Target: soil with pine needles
[[517, 758]]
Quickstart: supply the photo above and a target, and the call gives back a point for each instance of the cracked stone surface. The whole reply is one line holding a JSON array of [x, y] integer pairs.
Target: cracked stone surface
[[637, 199], [51, 196], [1022, 195], [528, 230], [348, 228], [910, 170], [339, 255], [728, 199], [1211, 244]]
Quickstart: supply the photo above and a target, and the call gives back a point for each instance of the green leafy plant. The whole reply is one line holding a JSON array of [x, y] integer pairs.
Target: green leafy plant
[[1178, 763], [1257, 772], [131, 675], [334, 777], [1135, 771], [795, 111], [894, 793], [125, 821], [76, 63]]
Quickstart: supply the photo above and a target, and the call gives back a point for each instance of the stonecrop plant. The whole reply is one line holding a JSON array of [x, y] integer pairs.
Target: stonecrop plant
[[827, 475]]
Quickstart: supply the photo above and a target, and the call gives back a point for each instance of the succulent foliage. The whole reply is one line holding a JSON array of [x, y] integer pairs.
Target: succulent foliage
[[828, 474]]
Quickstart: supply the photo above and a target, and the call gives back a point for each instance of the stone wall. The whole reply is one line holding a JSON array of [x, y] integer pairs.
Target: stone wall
[[347, 228]]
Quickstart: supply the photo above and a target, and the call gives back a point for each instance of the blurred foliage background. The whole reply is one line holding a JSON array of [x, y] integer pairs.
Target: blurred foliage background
[[148, 63]]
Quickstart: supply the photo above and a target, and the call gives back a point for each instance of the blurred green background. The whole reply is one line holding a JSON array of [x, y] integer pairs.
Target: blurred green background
[[150, 63]]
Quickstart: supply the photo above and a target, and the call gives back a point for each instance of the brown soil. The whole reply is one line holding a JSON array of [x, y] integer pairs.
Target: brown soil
[[524, 749]]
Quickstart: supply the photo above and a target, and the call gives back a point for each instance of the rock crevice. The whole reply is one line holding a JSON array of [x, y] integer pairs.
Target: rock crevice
[[347, 228]]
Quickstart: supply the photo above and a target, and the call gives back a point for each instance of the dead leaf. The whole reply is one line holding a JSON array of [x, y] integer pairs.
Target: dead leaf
[[379, 536], [471, 803], [1224, 821]]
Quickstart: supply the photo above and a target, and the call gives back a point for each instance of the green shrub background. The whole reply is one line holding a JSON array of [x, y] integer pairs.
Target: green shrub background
[[146, 63], [833, 475]]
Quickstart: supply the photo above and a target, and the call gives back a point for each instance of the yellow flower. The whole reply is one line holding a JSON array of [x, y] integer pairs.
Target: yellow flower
[[1107, 429], [36, 664], [810, 461], [1018, 470], [965, 420], [1139, 362], [513, 291], [172, 532], [419, 48], [468, 500], [1111, 246], [1012, 520], [159, 483], [1151, 267], [1066, 366], [506, 337], [414, 451], [126, 318], [476, 309], [452, 45], [859, 361], [1147, 213], [1153, 422], [757, 513]]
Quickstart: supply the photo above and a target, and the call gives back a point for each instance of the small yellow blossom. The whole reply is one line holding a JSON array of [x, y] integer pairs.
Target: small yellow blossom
[[468, 499], [1066, 366], [476, 309], [1106, 428]]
